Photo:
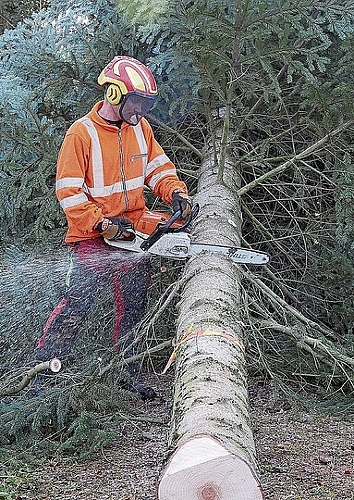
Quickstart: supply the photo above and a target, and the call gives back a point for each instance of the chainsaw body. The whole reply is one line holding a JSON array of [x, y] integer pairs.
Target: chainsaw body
[[165, 235], [160, 234]]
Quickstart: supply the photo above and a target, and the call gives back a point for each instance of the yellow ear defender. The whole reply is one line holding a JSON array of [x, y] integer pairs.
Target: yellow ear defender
[[113, 94]]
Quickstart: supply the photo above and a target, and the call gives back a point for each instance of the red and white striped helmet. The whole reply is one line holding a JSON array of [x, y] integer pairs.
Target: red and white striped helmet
[[130, 75]]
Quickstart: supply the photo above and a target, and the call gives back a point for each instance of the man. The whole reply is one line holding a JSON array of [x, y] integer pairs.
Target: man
[[106, 159]]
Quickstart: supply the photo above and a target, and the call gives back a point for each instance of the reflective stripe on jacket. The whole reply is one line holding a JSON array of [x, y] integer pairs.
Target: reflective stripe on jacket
[[102, 171]]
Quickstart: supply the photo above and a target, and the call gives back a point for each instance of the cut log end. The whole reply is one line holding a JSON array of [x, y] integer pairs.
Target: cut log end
[[203, 469], [55, 365]]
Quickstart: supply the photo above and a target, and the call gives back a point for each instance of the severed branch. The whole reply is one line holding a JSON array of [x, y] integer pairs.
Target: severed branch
[[119, 361], [53, 365]]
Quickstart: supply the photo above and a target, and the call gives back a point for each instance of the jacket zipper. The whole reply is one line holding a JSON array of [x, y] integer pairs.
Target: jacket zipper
[[121, 157]]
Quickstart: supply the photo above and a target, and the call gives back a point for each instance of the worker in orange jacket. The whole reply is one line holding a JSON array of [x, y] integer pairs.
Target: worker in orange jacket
[[106, 160]]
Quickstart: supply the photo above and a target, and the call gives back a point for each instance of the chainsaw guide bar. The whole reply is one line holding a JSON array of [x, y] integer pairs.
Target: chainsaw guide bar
[[173, 242]]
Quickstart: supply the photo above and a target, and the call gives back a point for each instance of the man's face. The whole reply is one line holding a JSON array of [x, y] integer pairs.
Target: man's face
[[134, 106]]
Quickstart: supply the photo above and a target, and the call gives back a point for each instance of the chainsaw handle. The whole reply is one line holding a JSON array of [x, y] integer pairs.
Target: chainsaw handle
[[171, 220], [192, 215], [166, 227]]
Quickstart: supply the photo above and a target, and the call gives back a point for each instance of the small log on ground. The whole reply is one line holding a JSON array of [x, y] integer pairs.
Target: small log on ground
[[54, 365]]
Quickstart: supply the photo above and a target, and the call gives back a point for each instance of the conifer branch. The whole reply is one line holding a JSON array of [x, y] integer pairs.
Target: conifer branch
[[224, 145], [267, 234], [256, 105], [53, 365], [292, 310], [255, 149], [300, 156], [7, 20], [177, 134], [322, 350], [225, 139]]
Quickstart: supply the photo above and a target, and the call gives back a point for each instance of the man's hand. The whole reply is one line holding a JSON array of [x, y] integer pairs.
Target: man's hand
[[181, 201], [115, 228]]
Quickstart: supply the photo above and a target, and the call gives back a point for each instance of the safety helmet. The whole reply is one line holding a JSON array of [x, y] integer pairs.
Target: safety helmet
[[130, 84]]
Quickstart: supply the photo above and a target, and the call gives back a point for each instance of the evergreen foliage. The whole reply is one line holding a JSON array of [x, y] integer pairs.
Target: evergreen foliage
[[283, 73], [78, 421], [12, 12], [49, 67]]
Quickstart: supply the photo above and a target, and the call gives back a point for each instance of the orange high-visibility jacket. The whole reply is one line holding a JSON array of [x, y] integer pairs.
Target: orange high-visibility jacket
[[102, 171]]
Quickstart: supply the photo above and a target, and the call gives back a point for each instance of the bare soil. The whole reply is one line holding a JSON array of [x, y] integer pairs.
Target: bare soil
[[302, 455]]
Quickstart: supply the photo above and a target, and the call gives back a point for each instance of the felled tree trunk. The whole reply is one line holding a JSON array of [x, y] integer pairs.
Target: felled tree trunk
[[212, 453]]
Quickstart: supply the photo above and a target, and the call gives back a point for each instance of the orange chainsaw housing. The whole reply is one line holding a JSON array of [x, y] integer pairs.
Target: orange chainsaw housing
[[149, 221]]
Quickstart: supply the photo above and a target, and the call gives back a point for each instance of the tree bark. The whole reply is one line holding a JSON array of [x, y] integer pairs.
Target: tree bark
[[212, 453]]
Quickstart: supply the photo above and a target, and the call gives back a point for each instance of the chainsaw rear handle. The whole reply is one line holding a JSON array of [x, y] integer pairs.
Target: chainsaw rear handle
[[166, 227]]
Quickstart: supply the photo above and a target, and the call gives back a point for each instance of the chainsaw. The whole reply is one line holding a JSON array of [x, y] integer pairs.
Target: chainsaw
[[167, 236]]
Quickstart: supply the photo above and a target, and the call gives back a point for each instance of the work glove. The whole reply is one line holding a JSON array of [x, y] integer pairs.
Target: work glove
[[115, 228], [181, 201]]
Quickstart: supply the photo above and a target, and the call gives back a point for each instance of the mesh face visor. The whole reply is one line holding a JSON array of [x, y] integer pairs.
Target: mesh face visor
[[134, 106]]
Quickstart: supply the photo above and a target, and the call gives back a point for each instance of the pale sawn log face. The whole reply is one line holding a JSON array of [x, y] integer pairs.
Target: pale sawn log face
[[204, 469]]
